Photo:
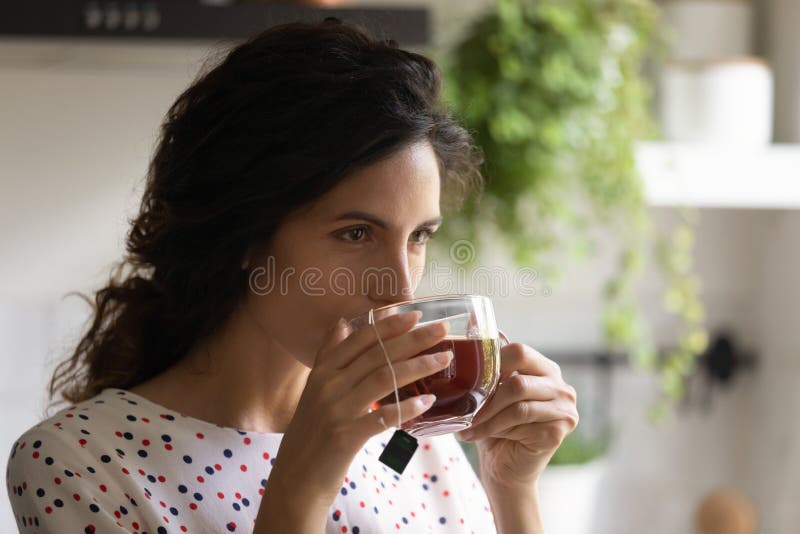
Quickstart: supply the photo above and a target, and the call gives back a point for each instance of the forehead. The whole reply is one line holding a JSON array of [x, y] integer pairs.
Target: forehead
[[407, 180]]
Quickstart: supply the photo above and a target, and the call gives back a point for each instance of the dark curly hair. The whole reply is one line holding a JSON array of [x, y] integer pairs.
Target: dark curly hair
[[281, 119]]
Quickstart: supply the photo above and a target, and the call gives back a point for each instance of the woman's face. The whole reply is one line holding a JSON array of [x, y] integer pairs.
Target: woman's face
[[360, 246]]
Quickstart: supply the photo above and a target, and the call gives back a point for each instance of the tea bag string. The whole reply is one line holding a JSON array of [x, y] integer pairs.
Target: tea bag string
[[394, 378]]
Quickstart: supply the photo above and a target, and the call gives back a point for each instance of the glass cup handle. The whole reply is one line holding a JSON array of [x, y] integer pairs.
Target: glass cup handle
[[503, 342], [503, 338]]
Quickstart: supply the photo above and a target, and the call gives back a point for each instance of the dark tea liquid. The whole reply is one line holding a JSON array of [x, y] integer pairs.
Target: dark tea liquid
[[462, 387]]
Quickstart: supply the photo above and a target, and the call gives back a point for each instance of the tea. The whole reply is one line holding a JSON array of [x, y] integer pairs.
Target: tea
[[461, 388]]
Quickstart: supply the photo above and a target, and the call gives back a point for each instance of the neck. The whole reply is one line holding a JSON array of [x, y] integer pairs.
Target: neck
[[237, 378]]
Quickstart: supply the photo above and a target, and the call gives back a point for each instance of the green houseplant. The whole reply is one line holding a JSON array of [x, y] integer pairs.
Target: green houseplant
[[553, 93]]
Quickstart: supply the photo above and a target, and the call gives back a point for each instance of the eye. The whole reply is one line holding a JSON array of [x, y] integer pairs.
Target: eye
[[353, 235], [423, 235]]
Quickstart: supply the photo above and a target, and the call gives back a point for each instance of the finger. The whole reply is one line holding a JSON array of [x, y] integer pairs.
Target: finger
[[340, 355], [525, 360], [403, 347], [335, 335], [519, 413], [541, 437], [381, 383], [514, 389], [373, 423]]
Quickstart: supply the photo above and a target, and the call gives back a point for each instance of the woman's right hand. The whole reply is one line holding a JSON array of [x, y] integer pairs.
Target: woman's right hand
[[332, 421]]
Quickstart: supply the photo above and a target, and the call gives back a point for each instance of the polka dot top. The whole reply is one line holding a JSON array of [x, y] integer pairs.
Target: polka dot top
[[121, 463]]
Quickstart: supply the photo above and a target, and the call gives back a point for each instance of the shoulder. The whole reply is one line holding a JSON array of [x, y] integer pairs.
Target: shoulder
[[57, 472]]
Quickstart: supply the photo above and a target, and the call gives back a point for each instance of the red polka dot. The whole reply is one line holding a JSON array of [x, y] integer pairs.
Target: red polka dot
[[82, 442], [125, 470], [145, 442], [117, 514], [397, 526], [362, 504], [200, 479], [413, 514], [168, 446], [35, 454], [220, 495], [76, 496], [344, 528], [261, 491], [141, 472], [162, 479], [218, 467], [183, 528], [390, 502], [200, 435], [193, 506], [266, 456], [48, 510], [163, 504], [461, 520], [57, 480], [238, 495], [103, 488], [246, 441], [90, 528], [231, 526], [446, 493], [243, 467], [135, 525], [145, 419], [426, 447]]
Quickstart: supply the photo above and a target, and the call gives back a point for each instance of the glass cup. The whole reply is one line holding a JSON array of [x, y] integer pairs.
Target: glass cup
[[470, 380]]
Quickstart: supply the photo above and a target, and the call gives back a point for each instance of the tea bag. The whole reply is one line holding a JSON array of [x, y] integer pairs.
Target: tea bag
[[401, 447]]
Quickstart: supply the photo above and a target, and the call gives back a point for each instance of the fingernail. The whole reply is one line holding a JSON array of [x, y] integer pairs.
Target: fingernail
[[342, 324], [426, 400], [444, 357]]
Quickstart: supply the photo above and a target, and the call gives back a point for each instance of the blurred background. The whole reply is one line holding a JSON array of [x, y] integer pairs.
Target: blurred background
[[644, 162]]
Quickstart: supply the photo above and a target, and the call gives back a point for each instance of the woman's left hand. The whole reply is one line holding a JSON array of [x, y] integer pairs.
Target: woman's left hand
[[522, 425]]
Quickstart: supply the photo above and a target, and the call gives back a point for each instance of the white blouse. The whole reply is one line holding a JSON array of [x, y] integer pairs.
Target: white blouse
[[121, 463]]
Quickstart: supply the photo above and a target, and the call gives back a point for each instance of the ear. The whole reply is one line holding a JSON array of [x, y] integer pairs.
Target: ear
[[254, 255], [247, 259]]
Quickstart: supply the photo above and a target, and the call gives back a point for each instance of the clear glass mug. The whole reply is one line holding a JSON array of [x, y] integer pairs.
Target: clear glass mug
[[470, 380]]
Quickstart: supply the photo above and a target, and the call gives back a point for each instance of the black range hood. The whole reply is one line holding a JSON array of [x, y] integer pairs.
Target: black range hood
[[193, 19]]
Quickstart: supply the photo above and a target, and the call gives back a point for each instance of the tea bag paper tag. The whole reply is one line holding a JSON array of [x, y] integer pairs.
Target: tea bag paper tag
[[399, 450]]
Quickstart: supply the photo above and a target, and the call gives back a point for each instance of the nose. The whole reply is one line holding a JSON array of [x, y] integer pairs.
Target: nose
[[393, 281]]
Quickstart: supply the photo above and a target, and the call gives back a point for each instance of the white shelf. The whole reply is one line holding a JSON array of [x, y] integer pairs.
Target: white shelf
[[717, 176]]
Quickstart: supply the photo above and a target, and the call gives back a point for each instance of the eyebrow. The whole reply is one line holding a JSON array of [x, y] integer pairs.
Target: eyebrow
[[378, 222]]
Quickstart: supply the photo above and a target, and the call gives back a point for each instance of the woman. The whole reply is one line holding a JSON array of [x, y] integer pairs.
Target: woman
[[211, 392]]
